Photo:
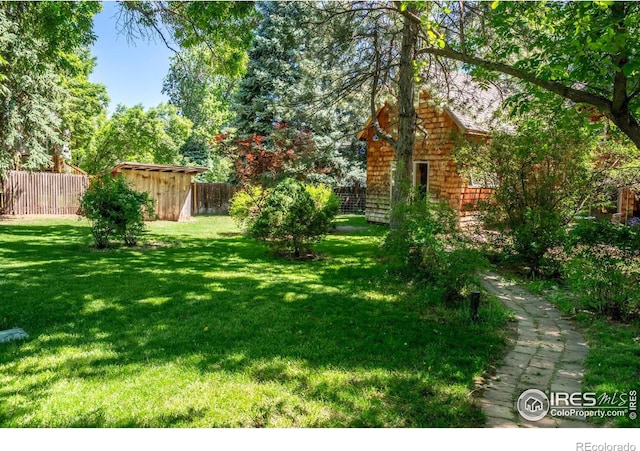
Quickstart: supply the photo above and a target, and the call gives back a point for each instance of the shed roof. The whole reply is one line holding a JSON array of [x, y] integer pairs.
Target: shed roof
[[473, 106], [193, 170]]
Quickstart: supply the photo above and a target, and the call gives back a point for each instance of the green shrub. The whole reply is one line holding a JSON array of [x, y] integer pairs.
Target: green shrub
[[542, 172], [246, 205], [324, 197], [602, 286], [426, 246], [295, 216], [594, 232], [423, 229], [115, 210], [459, 272], [599, 270], [327, 207]]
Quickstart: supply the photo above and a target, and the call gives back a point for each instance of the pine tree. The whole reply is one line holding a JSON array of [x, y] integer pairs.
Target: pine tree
[[264, 95], [290, 80]]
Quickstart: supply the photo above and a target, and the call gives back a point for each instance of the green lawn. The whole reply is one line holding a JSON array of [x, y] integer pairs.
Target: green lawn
[[201, 327]]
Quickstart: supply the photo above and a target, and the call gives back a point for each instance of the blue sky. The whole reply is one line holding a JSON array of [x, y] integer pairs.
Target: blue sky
[[133, 72]]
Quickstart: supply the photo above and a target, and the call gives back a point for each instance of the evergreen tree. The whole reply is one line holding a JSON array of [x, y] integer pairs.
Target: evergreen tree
[[29, 123], [265, 95], [291, 80]]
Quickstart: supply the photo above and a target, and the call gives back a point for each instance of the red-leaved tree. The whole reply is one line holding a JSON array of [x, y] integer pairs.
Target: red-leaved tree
[[264, 161]]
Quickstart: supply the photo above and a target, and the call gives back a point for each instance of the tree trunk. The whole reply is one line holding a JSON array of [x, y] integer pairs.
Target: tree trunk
[[406, 119]]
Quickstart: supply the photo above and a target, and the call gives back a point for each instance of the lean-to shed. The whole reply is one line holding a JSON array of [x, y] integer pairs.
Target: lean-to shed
[[169, 186], [466, 110]]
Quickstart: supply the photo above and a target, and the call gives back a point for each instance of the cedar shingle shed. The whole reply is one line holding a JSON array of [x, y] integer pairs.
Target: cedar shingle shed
[[169, 186], [463, 109]]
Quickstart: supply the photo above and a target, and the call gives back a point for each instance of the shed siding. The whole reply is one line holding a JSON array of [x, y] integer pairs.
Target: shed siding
[[445, 182], [171, 192], [628, 204], [379, 157]]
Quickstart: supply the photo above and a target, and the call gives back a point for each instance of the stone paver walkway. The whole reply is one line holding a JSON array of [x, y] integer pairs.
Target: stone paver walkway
[[548, 355]]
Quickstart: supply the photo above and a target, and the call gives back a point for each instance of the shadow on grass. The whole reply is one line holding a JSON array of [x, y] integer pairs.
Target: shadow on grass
[[332, 332]]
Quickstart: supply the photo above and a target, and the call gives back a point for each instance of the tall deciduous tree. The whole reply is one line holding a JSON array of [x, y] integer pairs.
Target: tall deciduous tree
[[583, 51], [403, 145], [131, 134], [84, 107], [38, 40], [201, 95], [223, 27]]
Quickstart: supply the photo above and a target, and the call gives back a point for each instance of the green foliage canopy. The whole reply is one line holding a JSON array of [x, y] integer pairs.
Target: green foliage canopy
[[85, 106], [198, 92], [582, 51], [133, 134], [39, 45], [225, 28]]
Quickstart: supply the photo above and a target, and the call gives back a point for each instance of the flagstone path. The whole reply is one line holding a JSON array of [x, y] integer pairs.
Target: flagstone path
[[548, 355]]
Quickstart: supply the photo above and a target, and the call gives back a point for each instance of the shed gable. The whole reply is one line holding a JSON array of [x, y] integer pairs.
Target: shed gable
[[433, 146]]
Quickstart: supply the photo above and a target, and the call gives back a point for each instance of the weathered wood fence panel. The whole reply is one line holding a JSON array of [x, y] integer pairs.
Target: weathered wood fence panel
[[212, 198], [42, 193]]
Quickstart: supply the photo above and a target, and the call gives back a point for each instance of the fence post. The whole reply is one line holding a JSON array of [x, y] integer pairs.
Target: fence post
[[475, 305], [194, 201]]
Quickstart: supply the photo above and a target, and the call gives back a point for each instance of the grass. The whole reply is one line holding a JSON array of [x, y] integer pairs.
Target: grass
[[613, 362], [201, 327]]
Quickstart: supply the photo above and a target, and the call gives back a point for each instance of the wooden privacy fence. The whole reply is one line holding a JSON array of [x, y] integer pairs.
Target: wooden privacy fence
[[212, 198], [41, 193], [48, 193]]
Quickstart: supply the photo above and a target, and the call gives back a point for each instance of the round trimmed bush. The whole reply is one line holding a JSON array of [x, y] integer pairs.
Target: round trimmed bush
[[295, 216]]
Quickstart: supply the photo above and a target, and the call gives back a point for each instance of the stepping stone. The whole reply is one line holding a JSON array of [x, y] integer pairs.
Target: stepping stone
[[13, 334]]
